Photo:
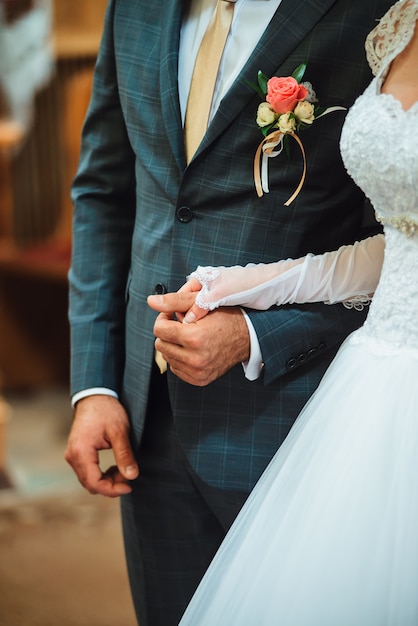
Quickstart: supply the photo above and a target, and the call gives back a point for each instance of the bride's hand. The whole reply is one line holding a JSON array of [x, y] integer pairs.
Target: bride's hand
[[211, 287], [348, 273]]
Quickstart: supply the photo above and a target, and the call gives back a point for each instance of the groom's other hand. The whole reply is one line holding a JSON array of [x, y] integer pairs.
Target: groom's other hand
[[200, 352]]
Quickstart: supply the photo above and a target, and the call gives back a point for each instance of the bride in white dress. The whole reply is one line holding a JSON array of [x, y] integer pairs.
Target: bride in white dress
[[329, 536]]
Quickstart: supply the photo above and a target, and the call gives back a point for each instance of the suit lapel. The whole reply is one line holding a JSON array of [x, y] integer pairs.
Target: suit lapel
[[293, 20], [170, 40]]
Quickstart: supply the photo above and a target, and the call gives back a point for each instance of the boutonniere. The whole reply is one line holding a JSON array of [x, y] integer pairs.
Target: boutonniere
[[288, 107]]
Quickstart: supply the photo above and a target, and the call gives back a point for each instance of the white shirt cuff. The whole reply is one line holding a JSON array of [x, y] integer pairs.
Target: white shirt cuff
[[254, 365], [93, 391]]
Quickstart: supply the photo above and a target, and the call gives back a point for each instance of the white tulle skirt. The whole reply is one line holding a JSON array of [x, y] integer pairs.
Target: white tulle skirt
[[329, 536]]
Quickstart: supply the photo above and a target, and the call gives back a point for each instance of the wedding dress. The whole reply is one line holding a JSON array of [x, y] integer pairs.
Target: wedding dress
[[329, 536]]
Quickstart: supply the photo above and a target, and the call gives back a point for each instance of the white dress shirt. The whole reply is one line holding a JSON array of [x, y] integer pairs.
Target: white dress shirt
[[251, 17], [250, 20]]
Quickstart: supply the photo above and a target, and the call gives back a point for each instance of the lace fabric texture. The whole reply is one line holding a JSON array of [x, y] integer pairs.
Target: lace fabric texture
[[391, 34], [392, 318], [380, 132]]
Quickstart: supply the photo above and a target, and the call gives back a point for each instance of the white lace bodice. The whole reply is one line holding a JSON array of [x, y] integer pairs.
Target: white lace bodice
[[380, 151]]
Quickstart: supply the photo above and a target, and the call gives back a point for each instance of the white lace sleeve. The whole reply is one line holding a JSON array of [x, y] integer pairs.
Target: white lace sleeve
[[393, 30], [349, 274]]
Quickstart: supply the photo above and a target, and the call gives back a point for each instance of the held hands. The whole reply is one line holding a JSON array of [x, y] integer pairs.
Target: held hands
[[209, 288], [346, 274], [201, 352], [101, 423]]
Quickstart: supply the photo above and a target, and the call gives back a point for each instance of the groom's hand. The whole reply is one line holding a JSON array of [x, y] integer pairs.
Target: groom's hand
[[101, 423], [201, 352], [182, 302], [179, 303]]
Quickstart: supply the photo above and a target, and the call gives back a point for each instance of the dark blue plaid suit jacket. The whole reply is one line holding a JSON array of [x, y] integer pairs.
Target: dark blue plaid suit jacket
[[129, 234]]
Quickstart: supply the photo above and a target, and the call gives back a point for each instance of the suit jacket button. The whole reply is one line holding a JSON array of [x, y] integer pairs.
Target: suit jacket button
[[291, 364], [160, 289], [184, 214]]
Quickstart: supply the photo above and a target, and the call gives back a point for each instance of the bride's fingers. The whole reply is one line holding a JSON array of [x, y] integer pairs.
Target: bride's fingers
[[182, 303], [194, 314]]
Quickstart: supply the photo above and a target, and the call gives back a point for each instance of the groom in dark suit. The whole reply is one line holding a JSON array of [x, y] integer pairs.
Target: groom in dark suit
[[190, 444]]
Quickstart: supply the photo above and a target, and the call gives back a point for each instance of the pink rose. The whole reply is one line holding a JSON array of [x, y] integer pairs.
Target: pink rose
[[284, 93]]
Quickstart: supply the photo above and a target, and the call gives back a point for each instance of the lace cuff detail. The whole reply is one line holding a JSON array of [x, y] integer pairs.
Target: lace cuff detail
[[358, 303], [204, 275]]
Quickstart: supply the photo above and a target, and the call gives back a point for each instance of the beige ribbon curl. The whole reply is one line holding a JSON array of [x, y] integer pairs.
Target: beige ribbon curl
[[266, 150]]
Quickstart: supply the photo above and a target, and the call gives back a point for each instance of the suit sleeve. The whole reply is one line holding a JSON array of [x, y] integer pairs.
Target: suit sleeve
[[292, 336], [104, 209]]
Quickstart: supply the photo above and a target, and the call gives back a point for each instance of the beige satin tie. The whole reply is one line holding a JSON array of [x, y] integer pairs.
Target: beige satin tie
[[204, 75]]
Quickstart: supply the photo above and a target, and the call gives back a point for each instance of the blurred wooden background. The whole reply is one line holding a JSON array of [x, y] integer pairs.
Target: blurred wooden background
[[36, 170], [62, 553]]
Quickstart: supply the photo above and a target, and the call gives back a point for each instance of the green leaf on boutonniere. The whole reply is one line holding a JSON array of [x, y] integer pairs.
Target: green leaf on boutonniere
[[299, 72], [255, 88], [262, 81]]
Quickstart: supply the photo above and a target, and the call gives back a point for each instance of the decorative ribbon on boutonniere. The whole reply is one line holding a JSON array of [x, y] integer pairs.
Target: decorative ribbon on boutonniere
[[287, 107], [265, 151]]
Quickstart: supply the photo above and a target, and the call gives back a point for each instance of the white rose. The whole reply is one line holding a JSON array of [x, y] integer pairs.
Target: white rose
[[265, 114], [286, 123], [304, 111]]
